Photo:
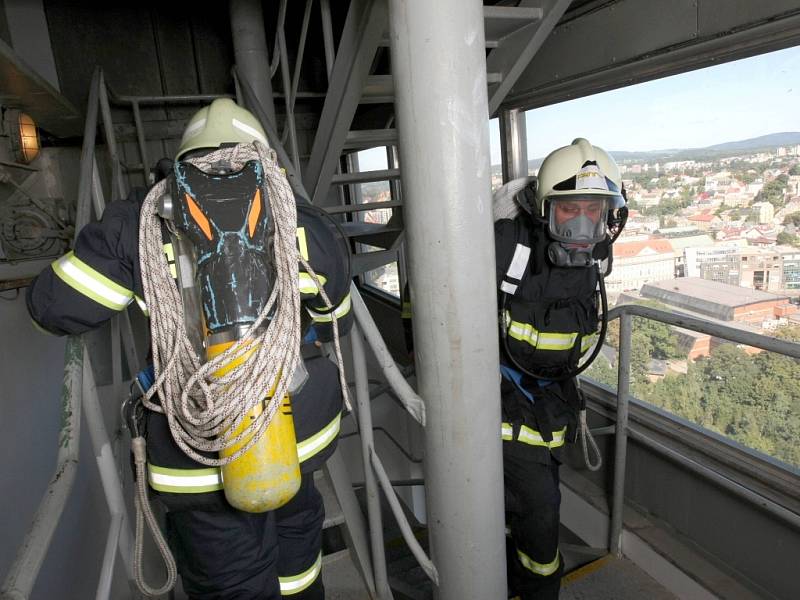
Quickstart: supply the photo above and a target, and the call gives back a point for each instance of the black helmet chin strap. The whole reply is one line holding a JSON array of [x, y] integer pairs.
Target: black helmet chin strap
[[598, 346]]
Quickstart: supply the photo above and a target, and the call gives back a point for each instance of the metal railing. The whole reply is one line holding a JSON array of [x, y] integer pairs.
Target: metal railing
[[31, 554], [625, 314], [80, 392]]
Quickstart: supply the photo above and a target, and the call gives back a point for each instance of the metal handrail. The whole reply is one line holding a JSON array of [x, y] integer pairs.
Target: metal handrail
[[80, 391], [31, 554], [626, 313]]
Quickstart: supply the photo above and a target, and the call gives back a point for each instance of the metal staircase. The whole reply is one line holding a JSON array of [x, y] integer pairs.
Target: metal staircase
[[513, 35]]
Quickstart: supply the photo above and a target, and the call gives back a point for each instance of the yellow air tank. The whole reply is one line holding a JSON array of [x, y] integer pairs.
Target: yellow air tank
[[267, 476]]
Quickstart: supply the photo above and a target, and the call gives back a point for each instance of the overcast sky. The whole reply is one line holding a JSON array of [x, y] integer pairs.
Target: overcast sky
[[729, 102]]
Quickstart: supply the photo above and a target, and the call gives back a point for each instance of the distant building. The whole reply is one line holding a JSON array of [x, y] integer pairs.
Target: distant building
[[720, 301], [764, 212], [680, 244], [719, 262], [761, 269], [639, 262], [790, 267], [704, 221]]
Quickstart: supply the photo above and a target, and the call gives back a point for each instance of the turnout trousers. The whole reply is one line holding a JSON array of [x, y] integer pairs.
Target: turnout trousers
[[535, 429], [234, 555], [532, 500]]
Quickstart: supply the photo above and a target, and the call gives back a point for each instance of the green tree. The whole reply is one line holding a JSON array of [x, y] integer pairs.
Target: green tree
[[788, 239]]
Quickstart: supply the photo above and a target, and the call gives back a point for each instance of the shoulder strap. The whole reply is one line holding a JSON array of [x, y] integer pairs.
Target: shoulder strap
[[515, 270]]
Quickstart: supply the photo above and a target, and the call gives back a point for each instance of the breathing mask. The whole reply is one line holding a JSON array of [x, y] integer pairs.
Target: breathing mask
[[576, 224]]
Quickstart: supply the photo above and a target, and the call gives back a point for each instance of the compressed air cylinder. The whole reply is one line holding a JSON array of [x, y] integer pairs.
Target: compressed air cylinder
[[267, 476]]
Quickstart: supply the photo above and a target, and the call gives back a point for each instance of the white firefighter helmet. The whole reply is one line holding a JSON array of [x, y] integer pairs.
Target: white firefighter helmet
[[577, 186], [222, 121]]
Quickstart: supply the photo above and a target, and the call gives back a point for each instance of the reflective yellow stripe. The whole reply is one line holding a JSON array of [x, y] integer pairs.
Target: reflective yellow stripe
[[91, 283], [543, 569], [184, 481], [142, 305], [525, 332], [307, 283], [302, 244], [406, 314], [588, 341], [506, 432], [534, 438], [340, 311], [313, 445], [297, 583], [170, 252], [195, 481]]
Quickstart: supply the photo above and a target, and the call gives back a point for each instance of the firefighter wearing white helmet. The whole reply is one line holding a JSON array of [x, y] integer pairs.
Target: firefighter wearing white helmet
[[224, 120], [552, 299], [220, 551]]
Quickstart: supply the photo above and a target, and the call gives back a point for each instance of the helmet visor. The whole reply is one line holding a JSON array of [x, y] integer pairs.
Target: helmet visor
[[579, 218]]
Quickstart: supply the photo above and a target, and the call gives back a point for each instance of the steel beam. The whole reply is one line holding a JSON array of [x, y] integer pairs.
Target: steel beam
[[444, 153], [366, 21], [681, 35], [513, 144], [513, 54]]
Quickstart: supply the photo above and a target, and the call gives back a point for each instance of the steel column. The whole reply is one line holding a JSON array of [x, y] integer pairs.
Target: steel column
[[513, 144], [250, 49], [444, 153], [621, 438]]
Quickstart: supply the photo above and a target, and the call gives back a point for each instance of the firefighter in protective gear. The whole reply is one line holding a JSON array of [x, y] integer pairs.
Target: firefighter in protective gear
[[548, 276], [221, 552]]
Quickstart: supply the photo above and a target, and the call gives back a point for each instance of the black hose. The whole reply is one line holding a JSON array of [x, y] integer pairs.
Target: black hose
[[598, 346]]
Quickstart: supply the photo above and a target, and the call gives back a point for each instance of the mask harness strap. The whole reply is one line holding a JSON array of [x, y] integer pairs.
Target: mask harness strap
[[201, 409]]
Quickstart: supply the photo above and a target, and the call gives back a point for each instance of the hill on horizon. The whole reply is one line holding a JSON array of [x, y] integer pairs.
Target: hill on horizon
[[756, 144]]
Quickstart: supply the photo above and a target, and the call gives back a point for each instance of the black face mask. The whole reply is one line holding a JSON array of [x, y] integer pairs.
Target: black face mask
[[227, 219]]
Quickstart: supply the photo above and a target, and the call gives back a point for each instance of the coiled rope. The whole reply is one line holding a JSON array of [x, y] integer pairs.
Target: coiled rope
[[204, 410]]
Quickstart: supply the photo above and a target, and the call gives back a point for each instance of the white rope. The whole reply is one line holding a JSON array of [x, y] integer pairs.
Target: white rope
[[204, 411]]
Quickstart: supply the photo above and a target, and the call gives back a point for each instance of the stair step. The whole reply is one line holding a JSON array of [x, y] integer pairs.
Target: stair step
[[341, 578], [501, 21], [365, 176], [333, 512], [370, 138]]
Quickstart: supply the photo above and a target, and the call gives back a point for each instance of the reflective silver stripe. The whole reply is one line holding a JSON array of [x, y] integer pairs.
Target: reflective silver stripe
[[517, 267], [534, 438], [543, 569], [506, 431], [297, 583], [508, 288], [91, 283], [193, 129], [184, 481], [142, 305], [340, 311], [311, 446], [250, 131]]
